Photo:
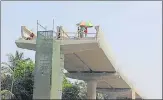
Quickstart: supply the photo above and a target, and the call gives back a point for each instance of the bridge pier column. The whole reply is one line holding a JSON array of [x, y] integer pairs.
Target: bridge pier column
[[48, 71], [114, 93], [57, 74], [91, 79], [91, 89]]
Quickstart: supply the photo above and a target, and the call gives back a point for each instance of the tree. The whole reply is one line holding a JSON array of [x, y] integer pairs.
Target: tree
[[13, 59], [66, 83], [23, 67], [6, 77], [83, 89], [24, 80], [6, 94], [19, 79], [77, 90], [23, 86], [6, 80], [71, 92]]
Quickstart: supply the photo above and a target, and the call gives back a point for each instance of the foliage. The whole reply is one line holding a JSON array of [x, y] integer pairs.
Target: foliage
[[18, 80], [23, 67], [6, 93], [13, 59], [66, 83], [17, 76], [71, 92], [6, 81], [23, 86]]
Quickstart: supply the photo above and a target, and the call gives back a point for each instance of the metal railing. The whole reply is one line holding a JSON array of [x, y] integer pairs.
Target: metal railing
[[62, 35], [75, 35]]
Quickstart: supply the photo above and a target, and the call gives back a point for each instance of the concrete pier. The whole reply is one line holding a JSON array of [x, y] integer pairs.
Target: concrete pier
[[91, 89], [91, 79], [90, 56]]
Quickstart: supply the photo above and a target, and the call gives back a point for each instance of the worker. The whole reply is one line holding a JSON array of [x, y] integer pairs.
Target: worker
[[59, 33], [31, 36], [78, 32], [82, 31], [86, 31]]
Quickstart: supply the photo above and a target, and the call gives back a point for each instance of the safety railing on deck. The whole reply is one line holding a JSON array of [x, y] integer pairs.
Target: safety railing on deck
[[62, 35], [76, 36]]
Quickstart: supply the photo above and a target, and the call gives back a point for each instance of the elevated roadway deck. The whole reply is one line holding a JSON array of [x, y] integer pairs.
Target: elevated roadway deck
[[86, 55]]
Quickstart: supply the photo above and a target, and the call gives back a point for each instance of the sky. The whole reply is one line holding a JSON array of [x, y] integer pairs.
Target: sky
[[132, 29]]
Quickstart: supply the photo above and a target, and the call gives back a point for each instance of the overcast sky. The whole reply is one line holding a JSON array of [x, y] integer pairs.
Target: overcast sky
[[133, 30]]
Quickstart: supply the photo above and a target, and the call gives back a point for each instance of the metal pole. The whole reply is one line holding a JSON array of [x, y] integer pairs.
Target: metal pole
[[37, 25], [53, 24], [45, 28], [53, 29]]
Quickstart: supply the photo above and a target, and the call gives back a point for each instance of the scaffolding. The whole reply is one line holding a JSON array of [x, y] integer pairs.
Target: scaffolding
[[61, 34]]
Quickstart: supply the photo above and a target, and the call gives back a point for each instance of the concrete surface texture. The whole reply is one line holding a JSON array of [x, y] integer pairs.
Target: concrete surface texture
[[89, 56]]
